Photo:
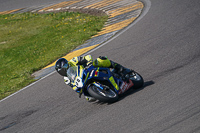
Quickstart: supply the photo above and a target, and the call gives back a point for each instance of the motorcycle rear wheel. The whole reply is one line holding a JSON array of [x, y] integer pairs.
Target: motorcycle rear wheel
[[106, 95], [137, 80]]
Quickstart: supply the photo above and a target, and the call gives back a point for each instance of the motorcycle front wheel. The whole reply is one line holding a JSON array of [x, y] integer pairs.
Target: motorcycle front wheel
[[103, 95]]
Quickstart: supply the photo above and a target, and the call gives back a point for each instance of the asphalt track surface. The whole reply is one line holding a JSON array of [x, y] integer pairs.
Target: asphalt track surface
[[164, 47]]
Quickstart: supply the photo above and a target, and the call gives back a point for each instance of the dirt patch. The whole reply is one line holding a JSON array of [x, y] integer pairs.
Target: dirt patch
[[2, 42]]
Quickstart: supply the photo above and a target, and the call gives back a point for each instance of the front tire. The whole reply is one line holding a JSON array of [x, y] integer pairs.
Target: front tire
[[106, 95]]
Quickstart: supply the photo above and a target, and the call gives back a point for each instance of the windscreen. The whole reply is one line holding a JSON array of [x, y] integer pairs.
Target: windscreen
[[71, 73]]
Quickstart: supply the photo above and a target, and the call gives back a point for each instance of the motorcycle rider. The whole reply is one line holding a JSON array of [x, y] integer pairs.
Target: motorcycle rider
[[62, 66]]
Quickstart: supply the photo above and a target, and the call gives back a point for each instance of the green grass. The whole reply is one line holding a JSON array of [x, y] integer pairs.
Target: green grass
[[29, 42]]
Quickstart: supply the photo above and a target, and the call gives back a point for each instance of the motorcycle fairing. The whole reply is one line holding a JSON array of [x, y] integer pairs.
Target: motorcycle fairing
[[112, 81], [79, 73], [96, 76], [125, 86], [103, 74]]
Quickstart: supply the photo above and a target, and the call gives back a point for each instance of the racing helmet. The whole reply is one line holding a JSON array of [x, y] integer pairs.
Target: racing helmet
[[61, 66]]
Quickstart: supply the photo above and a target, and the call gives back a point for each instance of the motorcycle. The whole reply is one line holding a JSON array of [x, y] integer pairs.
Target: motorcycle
[[103, 84]]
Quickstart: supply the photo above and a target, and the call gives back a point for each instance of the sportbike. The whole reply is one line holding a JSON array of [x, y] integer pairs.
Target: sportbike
[[103, 84]]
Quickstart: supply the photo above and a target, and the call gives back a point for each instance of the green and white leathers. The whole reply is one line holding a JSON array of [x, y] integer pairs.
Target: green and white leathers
[[85, 60], [102, 62]]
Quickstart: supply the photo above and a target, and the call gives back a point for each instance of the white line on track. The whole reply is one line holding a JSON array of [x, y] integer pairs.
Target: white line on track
[[26, 87], [144, 12]]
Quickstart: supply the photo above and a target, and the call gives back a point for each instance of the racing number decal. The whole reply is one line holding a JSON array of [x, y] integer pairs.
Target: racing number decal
[[113, 83]]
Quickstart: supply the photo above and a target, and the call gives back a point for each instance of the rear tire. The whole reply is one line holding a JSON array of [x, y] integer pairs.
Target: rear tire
[[137, 80], [107, 95]]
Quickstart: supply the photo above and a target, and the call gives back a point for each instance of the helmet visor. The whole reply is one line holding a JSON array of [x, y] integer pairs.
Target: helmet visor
[[63, 71], [65, 66]]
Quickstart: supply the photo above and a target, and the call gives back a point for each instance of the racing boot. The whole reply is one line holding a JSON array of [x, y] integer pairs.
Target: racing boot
[[90, 99], [122, 71]]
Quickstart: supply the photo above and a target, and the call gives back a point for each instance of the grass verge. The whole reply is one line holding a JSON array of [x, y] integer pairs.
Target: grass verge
[[30, 41]]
